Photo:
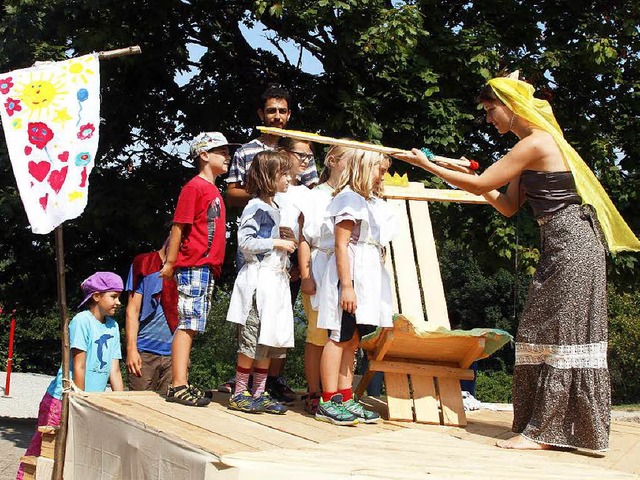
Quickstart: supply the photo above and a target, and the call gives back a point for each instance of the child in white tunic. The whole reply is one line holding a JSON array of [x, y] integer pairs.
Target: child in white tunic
[[292, 203], [260, 299], [355, 292], [314, 250]]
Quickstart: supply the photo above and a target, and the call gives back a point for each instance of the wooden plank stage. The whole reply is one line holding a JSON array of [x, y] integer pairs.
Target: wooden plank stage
[[248, 446]]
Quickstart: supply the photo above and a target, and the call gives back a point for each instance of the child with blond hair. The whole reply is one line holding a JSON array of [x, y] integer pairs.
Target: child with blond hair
[[355, 293], [315, 248]]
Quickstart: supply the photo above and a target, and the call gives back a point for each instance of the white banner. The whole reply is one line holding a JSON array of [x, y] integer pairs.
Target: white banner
[[50, 115]]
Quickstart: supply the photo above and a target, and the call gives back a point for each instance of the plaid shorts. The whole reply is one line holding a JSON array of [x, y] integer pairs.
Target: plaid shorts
[[195, 286]]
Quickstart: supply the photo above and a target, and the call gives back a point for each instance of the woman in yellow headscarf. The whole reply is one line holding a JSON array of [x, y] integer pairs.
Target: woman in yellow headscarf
[[561, 392]]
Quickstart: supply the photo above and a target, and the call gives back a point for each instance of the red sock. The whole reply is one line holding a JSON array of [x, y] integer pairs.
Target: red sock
[[242, 380], [326, 396], [259, 381], [347, 394]]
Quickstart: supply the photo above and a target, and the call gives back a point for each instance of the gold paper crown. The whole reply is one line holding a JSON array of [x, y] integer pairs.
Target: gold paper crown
[[396, 180]]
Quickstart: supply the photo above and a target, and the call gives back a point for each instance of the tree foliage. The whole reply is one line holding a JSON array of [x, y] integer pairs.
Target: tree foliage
[[403, 73]]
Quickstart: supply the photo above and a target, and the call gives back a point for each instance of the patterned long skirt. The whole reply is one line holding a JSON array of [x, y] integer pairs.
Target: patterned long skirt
[[561, 391]]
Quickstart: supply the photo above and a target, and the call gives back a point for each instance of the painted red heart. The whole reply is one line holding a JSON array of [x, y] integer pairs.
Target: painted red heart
[[27, 150], [43, 201], [39, 170], [57, 178], [64, 156]]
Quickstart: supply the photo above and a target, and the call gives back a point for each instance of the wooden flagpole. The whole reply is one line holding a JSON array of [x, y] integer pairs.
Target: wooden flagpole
[[61, 439]]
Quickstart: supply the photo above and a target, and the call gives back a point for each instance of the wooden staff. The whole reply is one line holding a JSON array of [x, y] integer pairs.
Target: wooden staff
[[312, 137], [61, 439]]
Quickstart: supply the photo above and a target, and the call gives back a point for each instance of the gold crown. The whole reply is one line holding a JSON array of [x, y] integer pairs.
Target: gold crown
[[396, 180]]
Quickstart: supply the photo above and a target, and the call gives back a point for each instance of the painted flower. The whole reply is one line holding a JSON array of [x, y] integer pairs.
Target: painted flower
[[5, 85], [12, 106], [83, 158], [86, 131], [16, 123], [39, 134]]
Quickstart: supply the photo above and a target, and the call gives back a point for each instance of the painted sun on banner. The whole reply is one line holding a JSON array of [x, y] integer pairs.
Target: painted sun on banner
[[50, 115]]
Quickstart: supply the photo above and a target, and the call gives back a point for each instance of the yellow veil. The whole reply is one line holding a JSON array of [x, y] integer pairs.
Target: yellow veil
[[518, 96]]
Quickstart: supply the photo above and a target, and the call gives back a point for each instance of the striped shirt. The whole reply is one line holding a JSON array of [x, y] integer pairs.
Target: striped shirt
[[244, 155]]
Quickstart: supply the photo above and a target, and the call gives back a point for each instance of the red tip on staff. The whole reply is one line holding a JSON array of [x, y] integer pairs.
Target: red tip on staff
[[12, 329]]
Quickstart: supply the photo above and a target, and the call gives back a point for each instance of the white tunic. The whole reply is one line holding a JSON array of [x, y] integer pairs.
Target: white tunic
[[265, 274], [371, 281], [319, 234], [292, 203]]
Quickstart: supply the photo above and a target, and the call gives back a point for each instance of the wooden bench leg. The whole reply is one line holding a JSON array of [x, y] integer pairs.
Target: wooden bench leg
[[364, 383], [451, 402], [398, 396], [424, 399]]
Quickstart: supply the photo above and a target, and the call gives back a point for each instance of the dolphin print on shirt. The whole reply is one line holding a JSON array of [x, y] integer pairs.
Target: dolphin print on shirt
[[102, 342]]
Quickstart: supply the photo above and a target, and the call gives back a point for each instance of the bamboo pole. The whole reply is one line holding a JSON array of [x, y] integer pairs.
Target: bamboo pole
[[312, 137], [61, 440], [120, 52]]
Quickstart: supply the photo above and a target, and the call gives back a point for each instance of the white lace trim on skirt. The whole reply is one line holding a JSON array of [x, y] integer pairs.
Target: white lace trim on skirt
[[590, 355]]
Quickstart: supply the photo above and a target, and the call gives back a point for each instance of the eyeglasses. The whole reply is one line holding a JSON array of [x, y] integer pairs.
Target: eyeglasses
[[302, 156]]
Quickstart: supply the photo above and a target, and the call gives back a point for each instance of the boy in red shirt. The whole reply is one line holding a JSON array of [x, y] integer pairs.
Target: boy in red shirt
[[196, 252]]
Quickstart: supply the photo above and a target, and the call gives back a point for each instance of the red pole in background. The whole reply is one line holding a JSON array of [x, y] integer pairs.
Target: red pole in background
[[12, 329]]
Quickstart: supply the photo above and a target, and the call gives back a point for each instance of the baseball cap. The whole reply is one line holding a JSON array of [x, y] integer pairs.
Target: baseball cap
[[206, 141], [100, 282]]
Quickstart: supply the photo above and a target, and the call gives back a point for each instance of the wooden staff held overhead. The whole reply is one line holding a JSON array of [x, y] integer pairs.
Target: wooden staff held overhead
[[312, 137]]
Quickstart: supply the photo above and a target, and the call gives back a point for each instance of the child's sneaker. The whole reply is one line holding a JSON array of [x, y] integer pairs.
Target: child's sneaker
[[243, 402], [279, 390], [311, 403], [187, 395], [265, 403], [334, 412], [364, 415]]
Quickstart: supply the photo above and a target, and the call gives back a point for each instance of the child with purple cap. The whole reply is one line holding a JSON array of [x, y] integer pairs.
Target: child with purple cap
[[94, 338]]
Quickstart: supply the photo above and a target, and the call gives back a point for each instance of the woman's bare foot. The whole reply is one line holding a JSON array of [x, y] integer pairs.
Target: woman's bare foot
[[522, 443]]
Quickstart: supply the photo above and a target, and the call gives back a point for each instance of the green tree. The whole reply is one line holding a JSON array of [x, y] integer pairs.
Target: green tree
[[403, 73]]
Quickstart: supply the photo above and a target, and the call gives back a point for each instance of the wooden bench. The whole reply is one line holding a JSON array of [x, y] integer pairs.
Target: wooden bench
[[422, 359]]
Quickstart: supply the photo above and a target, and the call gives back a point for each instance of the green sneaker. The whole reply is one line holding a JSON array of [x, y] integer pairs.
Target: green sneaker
[[243, 402], [364, 415], [335, 412]]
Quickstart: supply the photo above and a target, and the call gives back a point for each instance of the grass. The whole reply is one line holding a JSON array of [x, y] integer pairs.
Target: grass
[[630, 407]]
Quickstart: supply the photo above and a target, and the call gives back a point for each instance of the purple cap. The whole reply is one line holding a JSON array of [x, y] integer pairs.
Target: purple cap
[[100, 282]]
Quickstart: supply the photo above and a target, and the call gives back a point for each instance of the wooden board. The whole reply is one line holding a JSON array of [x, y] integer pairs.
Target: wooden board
[[429, 267], [425, 401], [416, 191], [451, 404], [410, 296], [440, 349], [399, 399], [388, 450], [415, 454]]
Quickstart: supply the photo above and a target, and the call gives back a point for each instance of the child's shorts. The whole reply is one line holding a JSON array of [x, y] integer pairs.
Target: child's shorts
[[348, 327], [248, 335], [315, 336], [195, 287]]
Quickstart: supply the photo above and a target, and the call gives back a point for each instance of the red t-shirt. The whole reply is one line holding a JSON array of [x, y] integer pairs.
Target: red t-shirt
[[201, 208]]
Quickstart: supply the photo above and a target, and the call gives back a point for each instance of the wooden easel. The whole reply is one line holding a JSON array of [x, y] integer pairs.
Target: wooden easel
[[422, 370]]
